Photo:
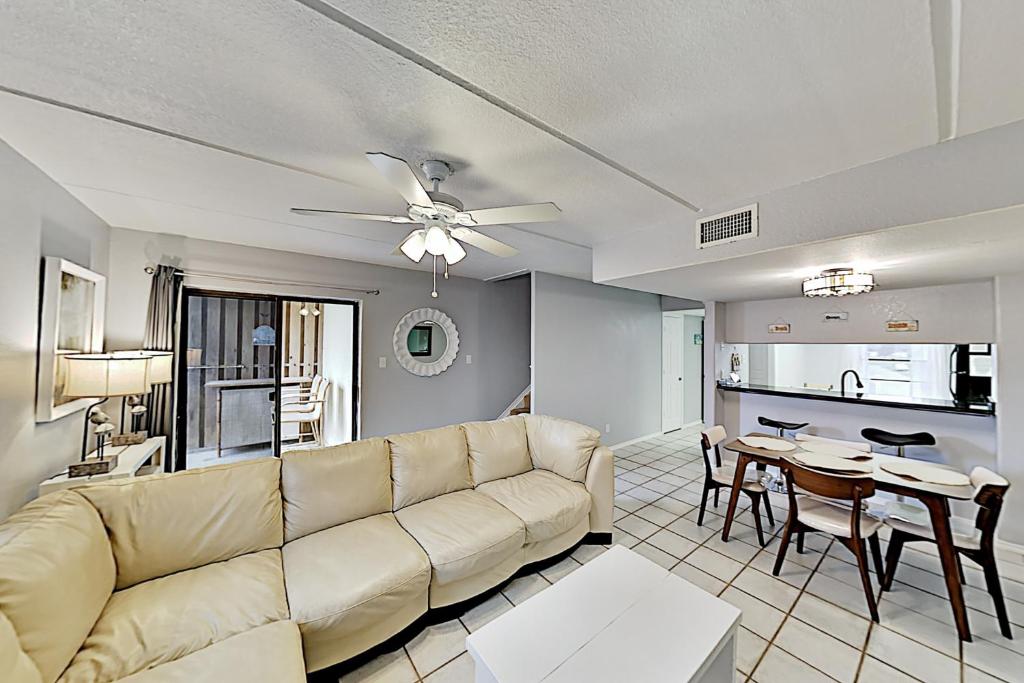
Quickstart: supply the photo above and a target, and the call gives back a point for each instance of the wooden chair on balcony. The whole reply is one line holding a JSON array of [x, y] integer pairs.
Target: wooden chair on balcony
[[307, 409]]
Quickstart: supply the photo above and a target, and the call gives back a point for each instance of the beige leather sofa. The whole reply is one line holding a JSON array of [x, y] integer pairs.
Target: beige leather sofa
[[266, 569]]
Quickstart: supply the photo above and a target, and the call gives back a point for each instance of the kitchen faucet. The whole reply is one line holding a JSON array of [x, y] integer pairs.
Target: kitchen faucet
[[842, 382]]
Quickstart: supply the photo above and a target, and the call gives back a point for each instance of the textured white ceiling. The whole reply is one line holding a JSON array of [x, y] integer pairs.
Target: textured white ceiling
[[591, 104], [952, 250]]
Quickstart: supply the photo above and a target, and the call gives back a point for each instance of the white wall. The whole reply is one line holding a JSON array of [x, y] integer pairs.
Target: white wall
[[393, 400], [597, 356], [1010, 367], [37, 218], [959, 313]]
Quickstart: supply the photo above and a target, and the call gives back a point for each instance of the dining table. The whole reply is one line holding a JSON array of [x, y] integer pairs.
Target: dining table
[[935, 498]]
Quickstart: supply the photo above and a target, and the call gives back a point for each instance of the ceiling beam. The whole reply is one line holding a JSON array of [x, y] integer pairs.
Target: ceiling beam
[[342, 19], [946, 35]]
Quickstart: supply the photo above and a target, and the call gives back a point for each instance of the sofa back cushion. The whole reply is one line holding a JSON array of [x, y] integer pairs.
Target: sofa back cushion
[[325, 487], [56, 574], [15, 665], [497, 449], [167, 523], [428, 464], [561, 446]]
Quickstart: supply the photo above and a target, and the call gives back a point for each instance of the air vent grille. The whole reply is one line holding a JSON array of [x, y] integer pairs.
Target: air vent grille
[[731, 226]]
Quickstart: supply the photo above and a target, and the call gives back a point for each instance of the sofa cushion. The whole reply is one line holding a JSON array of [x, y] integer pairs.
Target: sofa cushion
[[162, 620], [312, 479], [463, 533], [268, 654], [547, 503], [497, 449], [560, 446], [56, 574], [166, 523], [344, 581], [427, 464], [15, 665]]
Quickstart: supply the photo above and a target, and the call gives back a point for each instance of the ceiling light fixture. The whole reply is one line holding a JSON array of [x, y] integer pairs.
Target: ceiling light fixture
[[436, 240], [454, 253], [415, 245], [838, 282]]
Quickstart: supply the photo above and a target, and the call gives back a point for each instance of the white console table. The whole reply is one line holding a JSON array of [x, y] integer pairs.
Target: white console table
[[620, 617], [129, 460]]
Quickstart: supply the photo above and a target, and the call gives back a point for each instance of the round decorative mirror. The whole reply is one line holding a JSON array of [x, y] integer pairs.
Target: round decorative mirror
[[426, 342]]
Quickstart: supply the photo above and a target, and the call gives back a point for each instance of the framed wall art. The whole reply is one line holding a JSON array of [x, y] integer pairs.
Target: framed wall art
[[72, 306]]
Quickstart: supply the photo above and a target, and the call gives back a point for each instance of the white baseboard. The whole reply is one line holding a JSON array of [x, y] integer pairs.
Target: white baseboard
[[636, 440]]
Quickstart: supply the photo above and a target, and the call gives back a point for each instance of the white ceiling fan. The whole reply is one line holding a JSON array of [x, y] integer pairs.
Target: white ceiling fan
[[443, 221]]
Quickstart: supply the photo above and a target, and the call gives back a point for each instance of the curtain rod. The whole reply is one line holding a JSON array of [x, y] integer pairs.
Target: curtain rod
[[266, 281]]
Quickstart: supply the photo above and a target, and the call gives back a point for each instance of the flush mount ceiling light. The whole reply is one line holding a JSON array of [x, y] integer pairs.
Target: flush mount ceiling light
[[839, 282]]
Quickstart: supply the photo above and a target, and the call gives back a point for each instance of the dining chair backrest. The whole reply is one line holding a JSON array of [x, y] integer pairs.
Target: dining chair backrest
[[989, 490], [855, 445], [709, 440], [838, 487], [321, 389]]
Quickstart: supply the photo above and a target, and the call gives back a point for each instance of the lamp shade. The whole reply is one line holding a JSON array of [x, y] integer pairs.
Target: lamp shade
[[106, 374], [161, 366]]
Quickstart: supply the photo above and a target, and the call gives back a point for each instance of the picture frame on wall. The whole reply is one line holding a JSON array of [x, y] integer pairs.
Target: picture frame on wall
[[71, 317]]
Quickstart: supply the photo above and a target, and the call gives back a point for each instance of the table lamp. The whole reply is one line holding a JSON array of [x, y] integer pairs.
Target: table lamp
[[102, 376], [161, 370]]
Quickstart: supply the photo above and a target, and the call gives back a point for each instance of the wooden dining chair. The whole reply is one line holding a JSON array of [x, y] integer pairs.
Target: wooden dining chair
[[717, 477], [976, 543], [849, 525]]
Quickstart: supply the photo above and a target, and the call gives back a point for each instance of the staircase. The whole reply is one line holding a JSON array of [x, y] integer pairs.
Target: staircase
[[521, 405]]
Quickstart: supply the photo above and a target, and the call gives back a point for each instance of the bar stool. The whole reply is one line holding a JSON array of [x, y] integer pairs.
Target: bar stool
[[780, 425], [900, 441]]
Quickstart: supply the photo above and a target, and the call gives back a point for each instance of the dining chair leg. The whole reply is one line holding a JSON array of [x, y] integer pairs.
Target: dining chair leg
[[996, 591], [783, 546], [960, 569], [716, 496], [800, 542], [892, 558], [768, 508], [755, 509], [859, 549], [703, 505], [876, 556]]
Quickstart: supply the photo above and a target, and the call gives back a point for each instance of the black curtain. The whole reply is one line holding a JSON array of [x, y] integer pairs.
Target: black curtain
[[161, 335]]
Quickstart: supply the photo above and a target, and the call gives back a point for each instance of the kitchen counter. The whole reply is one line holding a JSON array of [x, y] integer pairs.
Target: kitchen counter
[[906, 403]]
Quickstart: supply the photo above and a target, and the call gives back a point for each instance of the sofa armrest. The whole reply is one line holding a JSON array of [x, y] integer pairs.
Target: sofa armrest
[[601, 485]]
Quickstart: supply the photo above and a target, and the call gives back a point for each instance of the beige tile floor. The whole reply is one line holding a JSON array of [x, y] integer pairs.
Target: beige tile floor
[[809, 624]]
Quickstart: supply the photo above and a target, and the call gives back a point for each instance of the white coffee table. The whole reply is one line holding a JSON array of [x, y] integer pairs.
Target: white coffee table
[[620, 617]]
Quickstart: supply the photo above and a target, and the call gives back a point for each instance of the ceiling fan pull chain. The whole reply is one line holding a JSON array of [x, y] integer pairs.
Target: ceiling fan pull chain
[[446, 269], [433, 293]]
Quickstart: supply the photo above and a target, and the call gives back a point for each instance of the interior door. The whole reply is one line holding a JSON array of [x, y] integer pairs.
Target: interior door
[[671, 372]]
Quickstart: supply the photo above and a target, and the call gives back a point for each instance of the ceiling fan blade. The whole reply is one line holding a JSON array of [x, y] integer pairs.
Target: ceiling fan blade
[[482, 241], [401, 177], [526, 213], [356, 216]]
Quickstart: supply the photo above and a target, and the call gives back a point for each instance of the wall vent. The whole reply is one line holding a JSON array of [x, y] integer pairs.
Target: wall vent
[[731, 226]]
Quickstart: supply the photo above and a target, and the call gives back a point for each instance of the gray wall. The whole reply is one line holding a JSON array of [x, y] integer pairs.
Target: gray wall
[[492, 319], [1009, 295], [37, 218], [597, 356], [958, 313]]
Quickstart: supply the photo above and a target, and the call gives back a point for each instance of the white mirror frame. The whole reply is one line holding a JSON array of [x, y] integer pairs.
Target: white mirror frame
[[401, 338]]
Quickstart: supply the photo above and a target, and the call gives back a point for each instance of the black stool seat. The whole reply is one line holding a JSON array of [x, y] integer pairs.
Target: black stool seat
[[778, 424], [892, 439]]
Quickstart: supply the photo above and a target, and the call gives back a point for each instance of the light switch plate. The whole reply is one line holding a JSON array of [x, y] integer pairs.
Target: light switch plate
[[469, 359], [382, 362]]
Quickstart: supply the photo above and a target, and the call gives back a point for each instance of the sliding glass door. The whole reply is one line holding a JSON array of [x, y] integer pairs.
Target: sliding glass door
[[262, 373]]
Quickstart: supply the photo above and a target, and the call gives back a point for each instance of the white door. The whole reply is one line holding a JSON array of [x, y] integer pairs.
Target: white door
[[671, 372]]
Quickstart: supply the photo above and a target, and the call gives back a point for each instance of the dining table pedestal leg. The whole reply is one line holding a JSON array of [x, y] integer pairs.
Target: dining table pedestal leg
[[937, 508], [737, 484]]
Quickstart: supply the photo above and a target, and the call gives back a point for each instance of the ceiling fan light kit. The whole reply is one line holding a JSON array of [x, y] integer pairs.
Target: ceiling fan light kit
[[838, 282], [443, 218]]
